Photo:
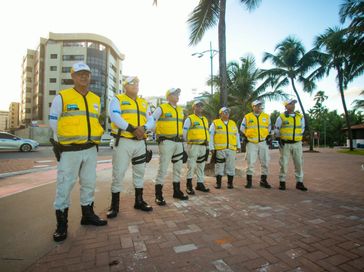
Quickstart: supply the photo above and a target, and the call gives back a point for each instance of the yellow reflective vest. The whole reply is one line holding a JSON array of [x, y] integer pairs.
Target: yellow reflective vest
[[79, 120], [257, 127], [198, 132], [170, 123], [133, 112], [291, 128], [225, 135]]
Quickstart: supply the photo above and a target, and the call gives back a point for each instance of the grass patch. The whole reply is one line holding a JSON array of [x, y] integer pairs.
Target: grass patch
[[354, 152]]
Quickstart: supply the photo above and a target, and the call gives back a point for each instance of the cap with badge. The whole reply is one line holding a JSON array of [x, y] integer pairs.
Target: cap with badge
[[256, 102], [289, 101], [80, 66], [174, 91], [224, 110], [197, 102], [130, 80]]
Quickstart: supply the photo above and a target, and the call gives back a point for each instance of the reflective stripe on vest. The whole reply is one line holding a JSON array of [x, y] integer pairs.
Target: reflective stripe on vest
[[170, 123], [225, 135], [78, 122], [257, 127], [134, 112], [198, 132], [291, 128]]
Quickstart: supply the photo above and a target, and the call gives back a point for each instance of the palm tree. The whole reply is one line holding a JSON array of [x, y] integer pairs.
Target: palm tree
[[204, 16], [359, 103], [353, 10], [338, 52], [292, 63]]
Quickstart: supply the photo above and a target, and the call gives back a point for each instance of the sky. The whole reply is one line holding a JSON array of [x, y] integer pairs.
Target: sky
[[155, 40]]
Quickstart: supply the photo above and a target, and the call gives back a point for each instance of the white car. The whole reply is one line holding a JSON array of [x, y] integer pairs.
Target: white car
[[11, 142]]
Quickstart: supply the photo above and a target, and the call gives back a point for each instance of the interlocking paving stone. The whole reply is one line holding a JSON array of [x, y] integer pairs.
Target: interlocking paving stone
[[184, 248]]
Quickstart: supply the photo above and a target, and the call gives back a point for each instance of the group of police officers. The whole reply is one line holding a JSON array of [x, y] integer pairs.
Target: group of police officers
[[77, 132]]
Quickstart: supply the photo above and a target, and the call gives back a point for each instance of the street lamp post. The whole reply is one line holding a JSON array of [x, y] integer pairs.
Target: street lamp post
[[213, 53]]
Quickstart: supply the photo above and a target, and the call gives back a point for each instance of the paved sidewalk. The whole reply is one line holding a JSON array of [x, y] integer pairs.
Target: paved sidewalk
[[232, 230]]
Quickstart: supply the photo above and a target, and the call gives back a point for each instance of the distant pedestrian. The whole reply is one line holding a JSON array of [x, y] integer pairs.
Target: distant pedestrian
[[196, 134], [74, 119], [224, 141], [169, 131], [289, 129], [131, 118], [256, 127]]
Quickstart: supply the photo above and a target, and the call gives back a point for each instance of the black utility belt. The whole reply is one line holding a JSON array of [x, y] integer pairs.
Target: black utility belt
[[174, 139], [204, 143], [76, 147], [134, 138], [289, 141]]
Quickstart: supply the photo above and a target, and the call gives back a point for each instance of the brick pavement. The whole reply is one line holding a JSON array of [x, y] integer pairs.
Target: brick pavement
[[233, 230]]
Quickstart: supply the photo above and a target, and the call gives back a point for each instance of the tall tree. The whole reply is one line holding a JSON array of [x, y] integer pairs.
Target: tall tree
[[359, 103], [292, 64], [204, 16], [337, 50]]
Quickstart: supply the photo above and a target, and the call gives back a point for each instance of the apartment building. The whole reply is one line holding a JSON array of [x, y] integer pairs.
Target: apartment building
[[46, 71], [13, 119], [4, 120]]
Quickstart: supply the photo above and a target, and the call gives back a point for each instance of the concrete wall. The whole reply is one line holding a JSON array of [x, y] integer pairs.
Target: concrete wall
[[39, 134]]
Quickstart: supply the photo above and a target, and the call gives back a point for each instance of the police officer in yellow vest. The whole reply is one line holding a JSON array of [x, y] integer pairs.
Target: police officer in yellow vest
[[74, 120], [224, 140], [169, 131], [131, 117], [256, 127], [196, 134], [289, 129]]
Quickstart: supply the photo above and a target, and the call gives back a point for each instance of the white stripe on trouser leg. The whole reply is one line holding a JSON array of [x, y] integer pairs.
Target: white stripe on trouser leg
[[195, 151], [122, 156], [72, 165]]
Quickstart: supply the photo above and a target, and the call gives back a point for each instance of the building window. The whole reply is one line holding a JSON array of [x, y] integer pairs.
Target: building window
[[54, 56], [74, 44], [67, 82], [28, 89], [53, 68], [52, 80], [27, 110], [52, 92], [73, 57], [29, 69], [66, 69], [28, 100], [29, 79]]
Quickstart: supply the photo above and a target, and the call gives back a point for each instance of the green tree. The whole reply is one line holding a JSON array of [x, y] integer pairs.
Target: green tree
[[318, 116], [292, 64], [337, 51], [359, 103], [206, 15]]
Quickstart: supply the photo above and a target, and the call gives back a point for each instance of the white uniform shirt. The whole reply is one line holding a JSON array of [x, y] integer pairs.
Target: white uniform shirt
[[54, 114], [115, 117], [212, 133]]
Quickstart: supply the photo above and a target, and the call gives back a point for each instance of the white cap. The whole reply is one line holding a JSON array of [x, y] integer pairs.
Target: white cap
[[289, 101], [80, 66], [129, 79], [176, 91], [224, 109], [196, 102], [256, 102]]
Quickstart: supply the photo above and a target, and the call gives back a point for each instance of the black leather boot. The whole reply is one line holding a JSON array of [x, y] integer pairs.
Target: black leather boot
[[249, 179], [189, 189], [282, 186], [114, 207], [201, 187], [159, 195], [230, 182], [60, 233], [177, 193], [300, 186], [218, 182], [263, 182], [140, 204], [90, 218]]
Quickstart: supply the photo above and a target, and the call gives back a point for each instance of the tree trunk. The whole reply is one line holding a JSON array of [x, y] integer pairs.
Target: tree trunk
[[222, 55], [307, 127], [341, 89]]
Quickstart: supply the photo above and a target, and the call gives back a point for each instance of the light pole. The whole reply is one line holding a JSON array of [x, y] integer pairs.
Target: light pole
[[213, 53]]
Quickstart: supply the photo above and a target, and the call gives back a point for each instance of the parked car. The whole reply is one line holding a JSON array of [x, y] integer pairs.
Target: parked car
[[11, 142], [274, 145]]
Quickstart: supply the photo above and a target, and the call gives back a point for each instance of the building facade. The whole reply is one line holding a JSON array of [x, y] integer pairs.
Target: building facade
[[46, 71], [13, 119], [4, 120]]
